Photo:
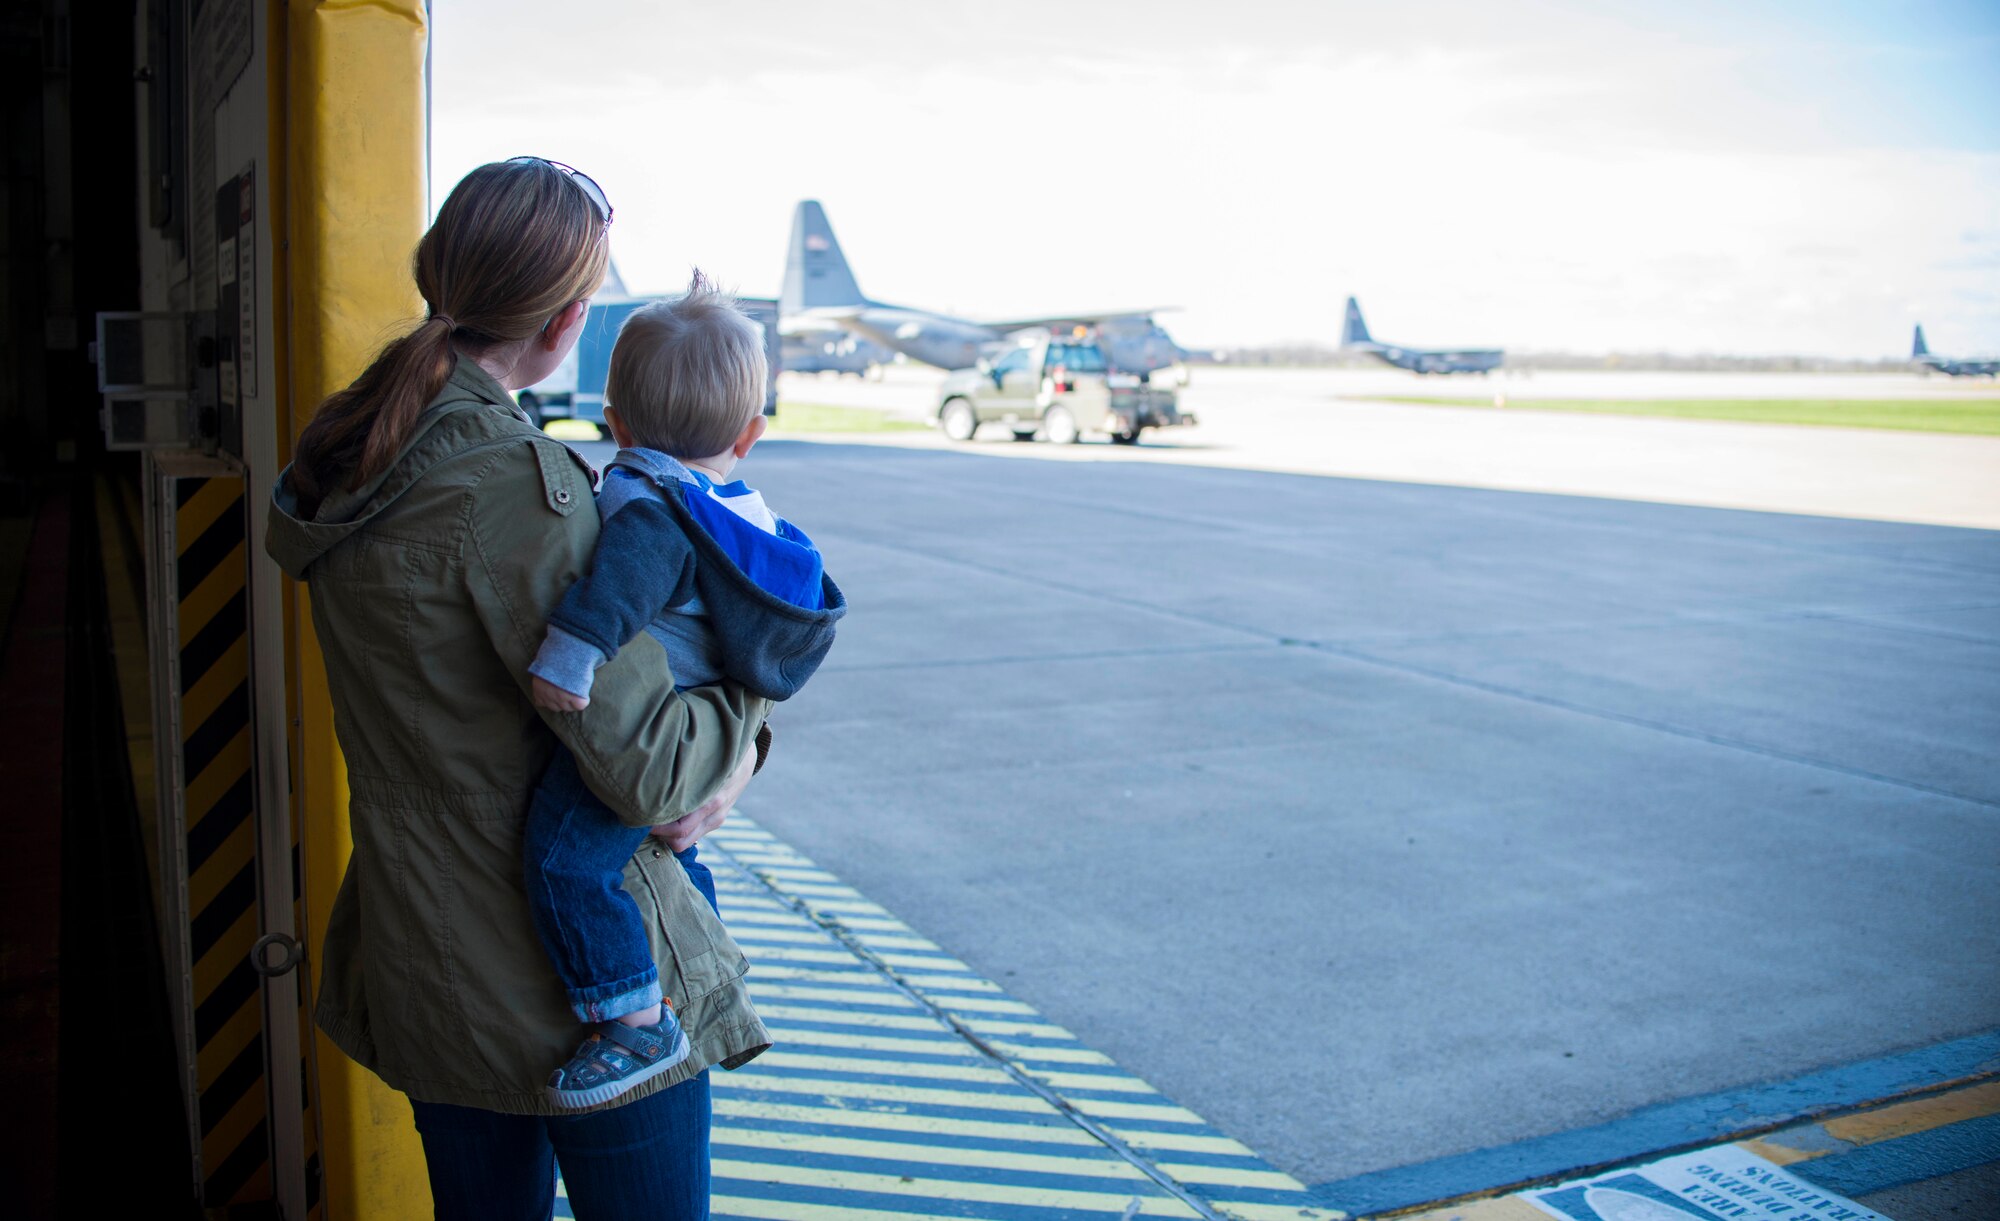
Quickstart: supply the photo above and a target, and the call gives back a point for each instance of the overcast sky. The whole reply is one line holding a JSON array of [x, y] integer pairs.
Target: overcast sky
[[1751, 177]]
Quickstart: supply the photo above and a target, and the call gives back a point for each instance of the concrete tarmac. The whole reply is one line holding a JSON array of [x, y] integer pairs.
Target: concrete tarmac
[[1378, 821], [1309, 421]]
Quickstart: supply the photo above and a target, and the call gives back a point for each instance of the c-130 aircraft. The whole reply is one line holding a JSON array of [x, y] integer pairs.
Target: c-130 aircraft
[[820, 298], [1920, 353], [1354, 337]]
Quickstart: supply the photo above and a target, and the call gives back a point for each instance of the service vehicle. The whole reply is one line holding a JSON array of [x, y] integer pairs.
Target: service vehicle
[[1058, 386], [574, 390]]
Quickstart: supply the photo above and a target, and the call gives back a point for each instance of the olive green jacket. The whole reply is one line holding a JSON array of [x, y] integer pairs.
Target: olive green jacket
[[431, 588]]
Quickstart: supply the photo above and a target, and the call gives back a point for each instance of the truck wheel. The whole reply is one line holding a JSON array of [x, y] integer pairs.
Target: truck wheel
[[1024, 434], [1060, 426], [959, 420], [1126, 438]]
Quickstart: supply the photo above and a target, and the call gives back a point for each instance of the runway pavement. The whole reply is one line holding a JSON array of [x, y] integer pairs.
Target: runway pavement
[[1379, 823], [1307, 421]]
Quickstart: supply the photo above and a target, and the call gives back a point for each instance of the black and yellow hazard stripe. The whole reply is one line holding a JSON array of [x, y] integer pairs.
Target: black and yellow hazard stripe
[[212, 589]]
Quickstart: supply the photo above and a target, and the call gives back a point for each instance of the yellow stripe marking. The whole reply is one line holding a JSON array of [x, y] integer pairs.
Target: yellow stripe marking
[[223, 865], [228, 1043], [1776, 1154], [227, 954], [194, 518], [929, 1155], [941, 1046], [978, 1072], [234, 1128], [218, 777], [791, 1210], [946, 1189], [214, 591], [922, 1096], [1050, 1132], [1905, 1118], [743, 1078], [217, 685], [881, 996]]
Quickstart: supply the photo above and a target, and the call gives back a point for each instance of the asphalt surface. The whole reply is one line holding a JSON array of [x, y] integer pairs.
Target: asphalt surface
[[1318, 421], [1377, 821]]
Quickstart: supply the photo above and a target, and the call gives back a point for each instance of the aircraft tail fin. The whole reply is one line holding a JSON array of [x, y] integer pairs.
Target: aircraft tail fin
[[1918, 348], [816, 273], [1353, 330]]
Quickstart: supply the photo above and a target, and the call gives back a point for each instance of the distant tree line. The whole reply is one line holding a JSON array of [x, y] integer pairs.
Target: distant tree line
[[1321, 356]]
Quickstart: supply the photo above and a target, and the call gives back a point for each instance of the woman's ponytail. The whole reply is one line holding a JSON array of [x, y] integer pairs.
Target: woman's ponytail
[[359, 430], [514, 244]]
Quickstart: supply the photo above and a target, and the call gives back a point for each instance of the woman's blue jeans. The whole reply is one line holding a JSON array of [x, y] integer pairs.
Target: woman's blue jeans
[[575, 852], [647, 1159]]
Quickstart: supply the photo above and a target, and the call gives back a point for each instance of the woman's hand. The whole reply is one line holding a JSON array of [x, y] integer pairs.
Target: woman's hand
[[682, 833]]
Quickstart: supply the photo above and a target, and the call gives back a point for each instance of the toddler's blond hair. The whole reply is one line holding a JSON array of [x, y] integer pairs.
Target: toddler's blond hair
[[688, 374]]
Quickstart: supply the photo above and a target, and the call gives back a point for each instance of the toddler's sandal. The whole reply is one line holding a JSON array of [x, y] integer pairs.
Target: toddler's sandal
[[615, 1058]]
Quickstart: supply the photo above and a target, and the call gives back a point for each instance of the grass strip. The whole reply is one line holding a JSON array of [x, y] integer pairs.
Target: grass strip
[[1973, 416], [825, 417]]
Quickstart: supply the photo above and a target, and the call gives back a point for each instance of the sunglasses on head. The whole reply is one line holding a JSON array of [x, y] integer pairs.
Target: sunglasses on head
[[591, 190]]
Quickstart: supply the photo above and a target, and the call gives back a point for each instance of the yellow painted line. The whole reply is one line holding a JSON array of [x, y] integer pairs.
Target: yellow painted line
[[971, 1071], [1293, 1212], [922, 1096], [795, 1210], [1053, 1132], [951, 983], [225, 955], [999, 1028], [223, 583], [1226, 1176], [1165, 1113], [801, 874], [192, 519], [215, 686], [1105, 1167], [1904, 1118], [222, 866], [856, 974], [881, 996], [218, 777], [947, 1189], [911, 1095], [1776, 1154], [228, 1042], [785, 936], [793, 953], [848, 1017], [943, 1045]]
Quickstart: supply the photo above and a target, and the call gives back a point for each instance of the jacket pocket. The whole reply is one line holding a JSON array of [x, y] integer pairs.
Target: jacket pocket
[[695, 953]]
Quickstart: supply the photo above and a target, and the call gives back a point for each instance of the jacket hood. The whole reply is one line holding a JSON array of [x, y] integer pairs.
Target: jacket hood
[[472, 410]]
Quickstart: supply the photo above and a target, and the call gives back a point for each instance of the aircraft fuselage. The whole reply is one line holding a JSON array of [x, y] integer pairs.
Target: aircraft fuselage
[[1420, 360]]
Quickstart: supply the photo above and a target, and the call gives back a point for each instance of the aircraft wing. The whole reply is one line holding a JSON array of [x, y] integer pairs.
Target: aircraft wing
[[1084, 318]]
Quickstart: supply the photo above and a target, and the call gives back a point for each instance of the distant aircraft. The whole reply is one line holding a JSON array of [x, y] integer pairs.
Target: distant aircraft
[[821, 299], [1354, 338], [1921, 353]]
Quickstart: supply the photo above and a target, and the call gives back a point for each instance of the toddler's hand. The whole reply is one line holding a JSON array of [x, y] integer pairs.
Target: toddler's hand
[[555, 699]]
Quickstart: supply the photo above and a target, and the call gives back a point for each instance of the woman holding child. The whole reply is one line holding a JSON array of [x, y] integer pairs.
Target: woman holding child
[[439, 529]]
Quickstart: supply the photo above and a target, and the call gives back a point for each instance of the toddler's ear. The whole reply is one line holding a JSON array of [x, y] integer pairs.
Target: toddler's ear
[[751, 434]]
